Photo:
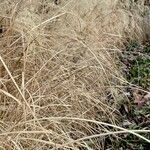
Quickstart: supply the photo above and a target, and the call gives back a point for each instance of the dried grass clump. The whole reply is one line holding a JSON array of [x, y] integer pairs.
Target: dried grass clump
[[58, 65]]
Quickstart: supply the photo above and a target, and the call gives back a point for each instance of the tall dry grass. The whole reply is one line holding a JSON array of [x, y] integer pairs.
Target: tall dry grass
[[58, 70]]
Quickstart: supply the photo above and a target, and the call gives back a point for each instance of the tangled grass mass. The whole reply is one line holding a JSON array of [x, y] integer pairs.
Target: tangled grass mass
[[61, 78]]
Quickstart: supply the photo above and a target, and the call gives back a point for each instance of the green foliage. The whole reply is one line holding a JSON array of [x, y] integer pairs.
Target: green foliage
[[132, 46], [140, 72], [139, 120], [147, 49], [136, 58]]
